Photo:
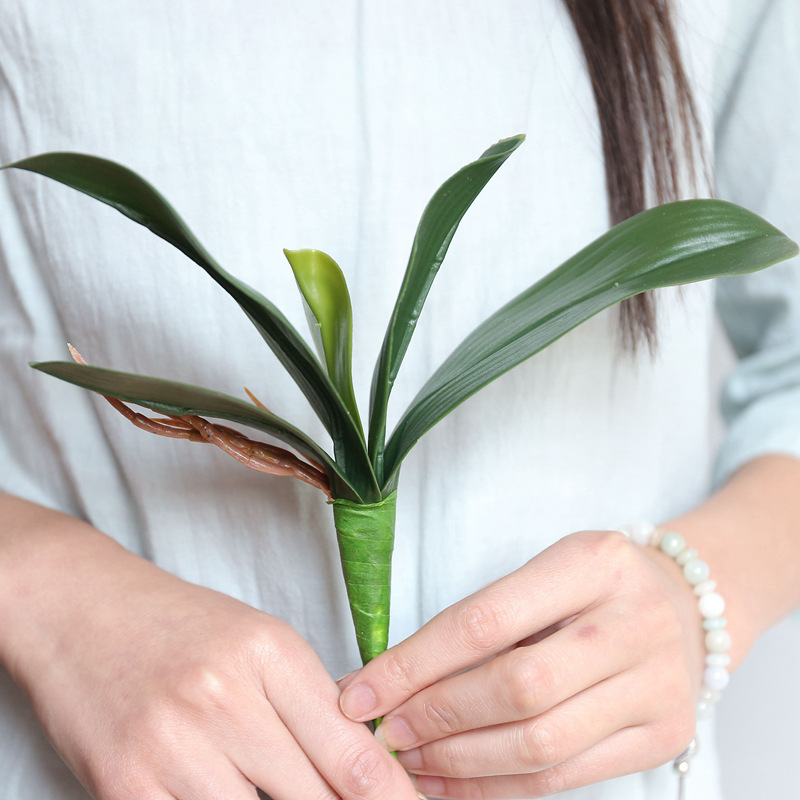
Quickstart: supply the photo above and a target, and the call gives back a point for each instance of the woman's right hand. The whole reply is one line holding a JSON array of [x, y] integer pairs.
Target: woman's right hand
[[152, 688]]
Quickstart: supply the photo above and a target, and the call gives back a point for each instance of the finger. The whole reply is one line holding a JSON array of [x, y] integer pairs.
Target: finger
[[540, 743], [524, 683], [630, 750], [212, 778], [218, 736], [531, 599], [246, 745], [270, 758], [346, 754]]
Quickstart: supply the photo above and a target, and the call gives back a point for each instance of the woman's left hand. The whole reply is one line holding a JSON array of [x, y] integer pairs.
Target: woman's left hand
[[582, 665]]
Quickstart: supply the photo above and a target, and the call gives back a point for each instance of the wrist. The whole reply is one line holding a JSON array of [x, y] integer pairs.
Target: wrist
[[748, 533], [46, 559], [708, 536]]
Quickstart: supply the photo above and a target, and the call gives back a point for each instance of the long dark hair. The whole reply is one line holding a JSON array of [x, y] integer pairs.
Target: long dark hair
[[652, 141]]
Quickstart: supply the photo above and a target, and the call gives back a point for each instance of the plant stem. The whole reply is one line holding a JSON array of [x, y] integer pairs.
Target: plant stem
[[365, 533]]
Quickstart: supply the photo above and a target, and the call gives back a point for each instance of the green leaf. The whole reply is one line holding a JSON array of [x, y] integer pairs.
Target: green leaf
[[132, 196], [435, 231], [330, 317], [170, 397], [676, 243]]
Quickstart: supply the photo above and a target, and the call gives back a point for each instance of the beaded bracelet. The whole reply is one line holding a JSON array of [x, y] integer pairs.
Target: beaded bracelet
[[710, 604]]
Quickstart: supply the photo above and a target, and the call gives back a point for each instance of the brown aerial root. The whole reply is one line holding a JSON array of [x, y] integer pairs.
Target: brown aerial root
[[257, 402], [258, 456]]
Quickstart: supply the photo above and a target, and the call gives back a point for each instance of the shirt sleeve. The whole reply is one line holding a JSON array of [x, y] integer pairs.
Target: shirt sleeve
[[757, 151]]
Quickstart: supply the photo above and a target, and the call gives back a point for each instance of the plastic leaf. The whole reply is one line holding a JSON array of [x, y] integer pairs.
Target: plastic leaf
[[436, 229], [132, 196], [178, 399], [676, 243], [330, 317]]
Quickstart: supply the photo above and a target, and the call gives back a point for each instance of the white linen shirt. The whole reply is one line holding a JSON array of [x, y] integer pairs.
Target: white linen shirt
[[310, 124]]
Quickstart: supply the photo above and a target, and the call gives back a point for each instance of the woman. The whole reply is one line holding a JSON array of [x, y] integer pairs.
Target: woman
[[195, 660]]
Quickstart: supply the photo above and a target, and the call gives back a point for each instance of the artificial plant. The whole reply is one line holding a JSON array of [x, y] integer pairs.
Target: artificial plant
[[668, 245]]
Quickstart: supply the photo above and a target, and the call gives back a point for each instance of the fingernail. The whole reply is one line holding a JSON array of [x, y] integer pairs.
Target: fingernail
[[410, 759], [414, 782], [395, 734], [357, 701], [379, 738], [431, 785]]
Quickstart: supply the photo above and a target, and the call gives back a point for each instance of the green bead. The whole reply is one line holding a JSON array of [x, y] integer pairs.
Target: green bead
[[715, 623], [672, 544], [695, 571]]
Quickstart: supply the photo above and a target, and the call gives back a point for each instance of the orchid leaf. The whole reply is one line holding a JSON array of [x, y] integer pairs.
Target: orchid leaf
[[178, 399], [436, 228], [680, 242], [132, 196], [330, 317]]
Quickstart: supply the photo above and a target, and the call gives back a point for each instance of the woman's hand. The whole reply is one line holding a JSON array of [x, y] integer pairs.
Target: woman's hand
[[155, 689], [583, 665]]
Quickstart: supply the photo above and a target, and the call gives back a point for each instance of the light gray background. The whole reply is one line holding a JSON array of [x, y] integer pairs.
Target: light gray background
[[758, 718]]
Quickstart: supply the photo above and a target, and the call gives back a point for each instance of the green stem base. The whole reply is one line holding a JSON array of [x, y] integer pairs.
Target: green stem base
[[365, 533]]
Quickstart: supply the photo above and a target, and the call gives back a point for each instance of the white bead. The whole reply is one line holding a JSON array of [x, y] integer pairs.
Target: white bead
[[710, 695], [718, 641], [640, 532], [705, 587], [672, 543], [711, 605], [718, 659], [655, 539], [705, 710], [696, 571], [716, 678], [687, 555]]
